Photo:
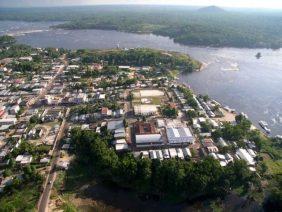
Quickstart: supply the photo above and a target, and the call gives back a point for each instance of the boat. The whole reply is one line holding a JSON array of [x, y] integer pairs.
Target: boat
[[264, 125], [258, 55]]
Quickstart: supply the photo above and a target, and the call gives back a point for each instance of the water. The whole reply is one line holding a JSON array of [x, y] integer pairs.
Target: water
[[255, 88]]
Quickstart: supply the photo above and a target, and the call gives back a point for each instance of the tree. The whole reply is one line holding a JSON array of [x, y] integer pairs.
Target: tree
[[143, 175], [206, 127], [6, 40], [169, 111]]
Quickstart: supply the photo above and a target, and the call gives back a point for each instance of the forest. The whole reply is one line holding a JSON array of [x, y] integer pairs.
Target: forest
[[174, 180], [139, 57], [184, 25]]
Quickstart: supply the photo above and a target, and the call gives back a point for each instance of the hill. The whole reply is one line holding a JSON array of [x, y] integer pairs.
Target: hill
[[211, 9]]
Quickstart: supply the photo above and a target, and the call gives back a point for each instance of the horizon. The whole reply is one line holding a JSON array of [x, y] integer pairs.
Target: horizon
[[232, 4]]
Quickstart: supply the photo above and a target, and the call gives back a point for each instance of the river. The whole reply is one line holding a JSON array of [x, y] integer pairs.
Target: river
[[232, 76]]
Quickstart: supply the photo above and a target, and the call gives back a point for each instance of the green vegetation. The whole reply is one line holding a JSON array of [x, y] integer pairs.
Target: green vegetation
[[94, 108], [235, 132], [16, 50], [173, 179], [168, 111], [157, 59], [269, 158], [23, 193], [184, 24], [27, 66], [36, 151], [188, 94], [6, 40]]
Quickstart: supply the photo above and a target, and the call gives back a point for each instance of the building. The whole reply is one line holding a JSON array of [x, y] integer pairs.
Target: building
[[14, 109], [106, 112], [80, 98], [145, 110], [244, 155], [24, 159], [146, 135], [29, 58], [8, 121], [147, 93], [209, 145], [179, 135], [115, 125], [120, 145]]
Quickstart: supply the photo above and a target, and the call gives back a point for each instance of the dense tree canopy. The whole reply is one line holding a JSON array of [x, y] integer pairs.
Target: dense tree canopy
[[138, 57], [170, 179], [183, 24]]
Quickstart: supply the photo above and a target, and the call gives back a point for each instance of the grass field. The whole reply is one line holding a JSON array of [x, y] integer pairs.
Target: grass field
[[274, 167]]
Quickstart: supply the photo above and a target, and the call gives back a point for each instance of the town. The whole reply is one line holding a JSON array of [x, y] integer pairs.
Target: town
[[48, 93]]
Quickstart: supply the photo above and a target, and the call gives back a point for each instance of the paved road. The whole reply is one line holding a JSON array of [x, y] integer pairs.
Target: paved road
[[44, 199]]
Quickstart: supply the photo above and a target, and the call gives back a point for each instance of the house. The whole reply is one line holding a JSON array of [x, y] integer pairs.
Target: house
[[172, 152], [3, 154], [146, 135], [63, 165], [8, 121], [118, 113], [44, 160], [24, 159], [209, 145], [97, 66], [124, 67], [29, 58], [51, 115], [80, 98], [187, 152], [106, 112], [120, 145], [72, 67], [14, 109], [115, 125], [101, 96], [221, 142]]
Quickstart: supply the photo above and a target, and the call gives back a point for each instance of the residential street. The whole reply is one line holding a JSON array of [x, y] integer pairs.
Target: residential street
[[44, 199]]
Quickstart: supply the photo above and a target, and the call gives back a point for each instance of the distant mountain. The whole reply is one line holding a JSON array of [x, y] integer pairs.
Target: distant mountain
[[211, 9]]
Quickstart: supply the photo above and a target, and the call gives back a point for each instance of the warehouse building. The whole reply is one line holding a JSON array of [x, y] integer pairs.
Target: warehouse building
[[146, 135], [179, 135]]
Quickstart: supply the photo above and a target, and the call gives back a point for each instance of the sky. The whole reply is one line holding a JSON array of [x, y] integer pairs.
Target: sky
[[263, 4]]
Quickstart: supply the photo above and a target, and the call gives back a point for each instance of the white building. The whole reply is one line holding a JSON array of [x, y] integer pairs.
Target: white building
[[145, 140], [29, 58], [147, 93], [145, 110], [14, 109], [179, 135], [120, 145], [24, 159], [244, 155]]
